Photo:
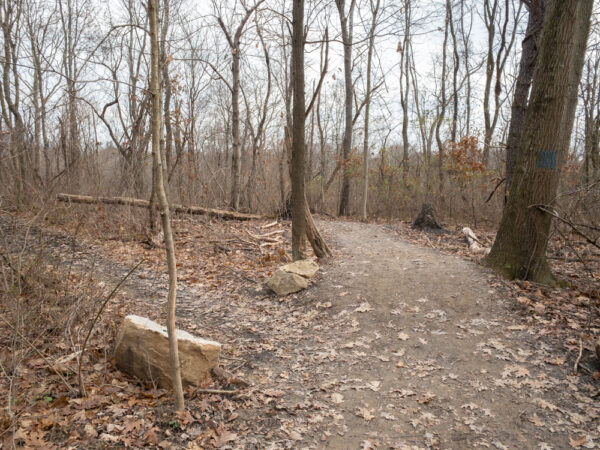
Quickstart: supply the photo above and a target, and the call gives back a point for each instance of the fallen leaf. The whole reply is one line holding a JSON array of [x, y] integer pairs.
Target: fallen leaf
[[365, 413], [337, 398], [364, 307], [151, 436], [225, 437], [374, 385], [403, 336]]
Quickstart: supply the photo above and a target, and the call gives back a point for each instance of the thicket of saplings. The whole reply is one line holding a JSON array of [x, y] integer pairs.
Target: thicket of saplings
[[397, 188]]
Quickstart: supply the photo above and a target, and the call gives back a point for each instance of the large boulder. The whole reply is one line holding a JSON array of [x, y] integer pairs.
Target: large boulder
[[284, 283], [142, 350], [304, 267]]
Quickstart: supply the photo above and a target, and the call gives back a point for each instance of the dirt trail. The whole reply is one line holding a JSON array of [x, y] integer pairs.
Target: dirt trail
[[399, 345]]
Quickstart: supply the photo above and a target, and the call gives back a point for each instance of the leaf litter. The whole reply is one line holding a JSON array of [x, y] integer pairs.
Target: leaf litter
[[302, 351]]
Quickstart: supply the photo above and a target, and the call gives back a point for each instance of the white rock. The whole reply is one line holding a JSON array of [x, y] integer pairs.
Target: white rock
[[142, 350]]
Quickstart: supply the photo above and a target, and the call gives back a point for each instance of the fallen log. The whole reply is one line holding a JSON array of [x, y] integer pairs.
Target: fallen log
[[139, 203]]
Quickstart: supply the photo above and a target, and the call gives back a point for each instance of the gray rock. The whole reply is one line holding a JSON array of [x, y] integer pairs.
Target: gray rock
[[304, 267], [284, 283]]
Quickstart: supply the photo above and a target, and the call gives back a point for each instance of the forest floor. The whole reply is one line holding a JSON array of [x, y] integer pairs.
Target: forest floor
[[395, 344]]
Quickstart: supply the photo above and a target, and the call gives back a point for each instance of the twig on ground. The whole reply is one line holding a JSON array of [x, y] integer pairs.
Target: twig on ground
[[218, 391], [229, 377], [580, 353], [82, 391], [269, 225], [35, 349]]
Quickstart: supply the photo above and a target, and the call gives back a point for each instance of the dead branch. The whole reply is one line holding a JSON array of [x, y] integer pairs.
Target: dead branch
[[573, 226], [217, 391], [580, 353], [229, 378], [41, 355], [80, 380], [263, 237], [269, 225]]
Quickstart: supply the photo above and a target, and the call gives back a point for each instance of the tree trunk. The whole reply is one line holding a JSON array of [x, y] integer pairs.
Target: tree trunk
[[299, 119], [236, 166], [374, 12], [455, 67], [519, 250], [159, 188], [442, 114], [529, 54], [346, 27], [404, 90]]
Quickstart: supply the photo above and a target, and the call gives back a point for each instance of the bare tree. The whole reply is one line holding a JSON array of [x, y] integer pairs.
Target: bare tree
[[375, 7], [159, 187], [298, 122], [404, 49], [497, 55], [443, 100], [11, 13], [234, 41], [590, 94], [346, 24]]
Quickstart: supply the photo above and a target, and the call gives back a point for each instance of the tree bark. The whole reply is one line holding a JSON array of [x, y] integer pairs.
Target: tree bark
[[298, 122], [159, 188], [529, 54], [236, 166], [519, 250], [405, 88], [442, 113], [346, 27], [374, 13]]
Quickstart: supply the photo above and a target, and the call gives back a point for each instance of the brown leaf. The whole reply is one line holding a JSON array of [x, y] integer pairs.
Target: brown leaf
[[61, 401], [426, 398], [225, 437], [576, 443], [151, 437]]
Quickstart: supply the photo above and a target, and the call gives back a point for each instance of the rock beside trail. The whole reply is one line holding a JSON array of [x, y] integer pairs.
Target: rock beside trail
[[305, 268], [284, 283], [142, 350], [292, 277]]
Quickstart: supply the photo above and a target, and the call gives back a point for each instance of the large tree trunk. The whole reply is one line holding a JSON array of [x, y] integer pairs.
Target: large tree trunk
[[299, 119], [519, 250], [313, 235], [529, 54], [159, 188]]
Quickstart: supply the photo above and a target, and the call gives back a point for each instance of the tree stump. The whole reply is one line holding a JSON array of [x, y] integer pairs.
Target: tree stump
[[426, 219]]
